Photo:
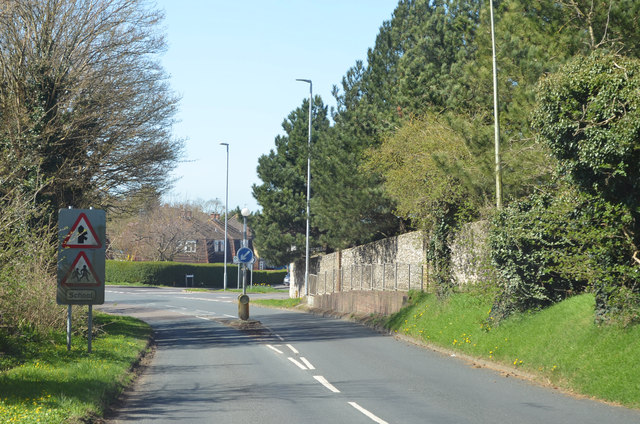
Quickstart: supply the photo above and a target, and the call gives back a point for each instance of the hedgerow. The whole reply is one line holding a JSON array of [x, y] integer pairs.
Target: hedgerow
[[173, 274]]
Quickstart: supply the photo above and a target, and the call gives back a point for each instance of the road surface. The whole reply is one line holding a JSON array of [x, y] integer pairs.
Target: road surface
[[300, 368]]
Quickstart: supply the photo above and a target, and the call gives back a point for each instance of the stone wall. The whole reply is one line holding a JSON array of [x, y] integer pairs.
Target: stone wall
[[360, 302], [393, 264], [469, 254]]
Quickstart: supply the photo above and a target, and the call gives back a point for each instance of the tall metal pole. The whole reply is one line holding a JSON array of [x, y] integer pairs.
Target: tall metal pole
[[69, 311], [496, 115], [306, 259], [245, 213], [226, 207], [244, 244]]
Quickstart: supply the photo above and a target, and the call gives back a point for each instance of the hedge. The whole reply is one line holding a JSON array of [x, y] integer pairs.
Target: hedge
[[173, 274]]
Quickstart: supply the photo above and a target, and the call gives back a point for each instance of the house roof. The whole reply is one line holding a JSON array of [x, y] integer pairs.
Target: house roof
[[212, 228], [237, 224]]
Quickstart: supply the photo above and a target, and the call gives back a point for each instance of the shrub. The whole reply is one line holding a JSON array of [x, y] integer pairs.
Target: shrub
[[528, 244], [27, 268], [588, 113], [561, 242]]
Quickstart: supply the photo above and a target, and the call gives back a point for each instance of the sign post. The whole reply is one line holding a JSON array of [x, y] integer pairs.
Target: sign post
[[81, 261], [245, 257]]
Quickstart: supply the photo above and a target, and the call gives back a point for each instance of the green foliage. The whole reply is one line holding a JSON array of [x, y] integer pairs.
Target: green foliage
[[85, 111], [27, 264], [278, 303], [270, 277], [422, 164], [280, 227], [349, 204], [558, 243], [53, 385], [173, 274], [560, 344], [529, 244], [588, 113], [168, 273]]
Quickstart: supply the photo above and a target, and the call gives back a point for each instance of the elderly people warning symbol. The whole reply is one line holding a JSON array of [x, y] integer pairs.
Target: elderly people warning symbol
[[81, 273], [82, 235]]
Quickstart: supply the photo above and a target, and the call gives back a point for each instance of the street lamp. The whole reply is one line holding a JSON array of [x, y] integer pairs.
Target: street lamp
[[496, 116], [226, 206], [306, 259]]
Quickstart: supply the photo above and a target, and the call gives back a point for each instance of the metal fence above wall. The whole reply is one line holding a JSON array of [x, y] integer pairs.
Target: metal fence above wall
[[382, 277]]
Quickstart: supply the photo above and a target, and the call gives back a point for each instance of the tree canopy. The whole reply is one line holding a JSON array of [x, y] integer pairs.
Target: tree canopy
[[280, 227], [85, 107]]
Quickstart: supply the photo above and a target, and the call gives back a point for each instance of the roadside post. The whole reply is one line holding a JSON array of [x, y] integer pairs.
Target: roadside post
[[81, 262], [245, 257]]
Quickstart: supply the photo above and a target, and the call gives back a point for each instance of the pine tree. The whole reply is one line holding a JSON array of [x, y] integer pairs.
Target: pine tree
[[280, 227]]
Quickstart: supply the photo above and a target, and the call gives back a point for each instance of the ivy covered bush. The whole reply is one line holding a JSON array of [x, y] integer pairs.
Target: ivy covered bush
[[562, 242], [584, 231], [589, 115]]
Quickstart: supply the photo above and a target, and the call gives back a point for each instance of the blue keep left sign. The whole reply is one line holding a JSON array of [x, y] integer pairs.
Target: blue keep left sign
[[245, 255]]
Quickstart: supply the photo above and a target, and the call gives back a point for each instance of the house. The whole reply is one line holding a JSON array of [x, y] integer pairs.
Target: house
[[208, 243]]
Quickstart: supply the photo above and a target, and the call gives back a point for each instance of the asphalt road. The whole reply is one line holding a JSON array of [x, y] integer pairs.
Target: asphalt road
[[301, 368]]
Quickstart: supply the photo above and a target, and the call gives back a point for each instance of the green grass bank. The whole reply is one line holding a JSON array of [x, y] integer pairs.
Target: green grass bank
[[42, 382], [561, 344]]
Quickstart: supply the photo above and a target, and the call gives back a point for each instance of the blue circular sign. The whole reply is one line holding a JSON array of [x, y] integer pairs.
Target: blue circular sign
[[245, 255]]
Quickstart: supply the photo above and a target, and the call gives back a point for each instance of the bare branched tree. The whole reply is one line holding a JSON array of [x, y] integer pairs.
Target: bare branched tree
[[85, 106], [158, 234]]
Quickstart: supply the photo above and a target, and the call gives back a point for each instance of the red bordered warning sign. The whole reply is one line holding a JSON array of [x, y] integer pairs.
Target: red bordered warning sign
[[82, 235], [81, 273]]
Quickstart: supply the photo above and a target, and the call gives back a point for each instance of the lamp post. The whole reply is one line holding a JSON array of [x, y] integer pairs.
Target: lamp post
[[306, 259], [226, 206], [496, 116]]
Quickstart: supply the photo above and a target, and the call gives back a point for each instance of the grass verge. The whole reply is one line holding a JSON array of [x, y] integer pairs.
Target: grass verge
[[278, 303], [561, 344], [48, 384]]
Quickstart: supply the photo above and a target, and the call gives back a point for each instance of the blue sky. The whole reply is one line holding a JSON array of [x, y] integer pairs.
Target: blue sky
[[235, 64]]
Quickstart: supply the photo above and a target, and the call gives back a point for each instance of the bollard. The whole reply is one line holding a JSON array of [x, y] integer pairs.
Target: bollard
[[243, 307]]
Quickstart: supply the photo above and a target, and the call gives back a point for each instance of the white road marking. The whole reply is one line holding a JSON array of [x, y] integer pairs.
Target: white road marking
[[275, 349], [326, 384], [280, 337], [293, 349], [368, 414], [205, 318], [298, 364], [307, 363], [230, 316], [204, 299]]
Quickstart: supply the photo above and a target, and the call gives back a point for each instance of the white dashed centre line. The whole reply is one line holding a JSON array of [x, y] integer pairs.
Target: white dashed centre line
[[326, 384], [298, 364], [368, 414], [274, 349], [307, 363]]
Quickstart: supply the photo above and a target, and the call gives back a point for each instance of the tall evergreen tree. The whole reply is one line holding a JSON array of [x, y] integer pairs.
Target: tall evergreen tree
[[280, 227]]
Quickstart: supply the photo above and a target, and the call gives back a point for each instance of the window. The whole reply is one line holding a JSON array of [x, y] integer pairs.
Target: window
[[190, 246], [218, 245]]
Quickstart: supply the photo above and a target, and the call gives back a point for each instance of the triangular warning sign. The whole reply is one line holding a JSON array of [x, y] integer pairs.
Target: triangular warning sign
[[81, 273], [82, 235]]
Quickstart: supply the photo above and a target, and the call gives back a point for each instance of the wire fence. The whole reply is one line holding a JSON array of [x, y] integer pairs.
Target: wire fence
[[382, 277]]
